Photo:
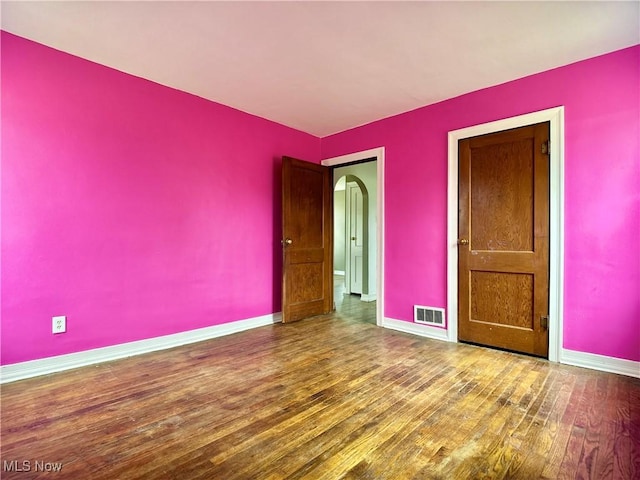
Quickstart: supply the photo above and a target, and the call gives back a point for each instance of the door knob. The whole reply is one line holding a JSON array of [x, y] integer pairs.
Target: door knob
[[287, 241], [463, 241]]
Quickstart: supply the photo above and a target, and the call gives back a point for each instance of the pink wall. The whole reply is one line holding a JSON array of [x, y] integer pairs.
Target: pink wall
[[134, 209], [138, 211], [602, 194]]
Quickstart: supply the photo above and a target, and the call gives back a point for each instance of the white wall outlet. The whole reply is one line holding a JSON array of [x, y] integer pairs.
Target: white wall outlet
[[59, 324]]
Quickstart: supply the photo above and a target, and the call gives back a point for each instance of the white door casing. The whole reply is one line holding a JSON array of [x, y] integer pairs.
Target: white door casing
[[378, 154]]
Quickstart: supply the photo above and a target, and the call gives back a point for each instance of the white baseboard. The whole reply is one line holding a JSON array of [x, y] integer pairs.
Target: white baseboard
[[600, 362], [338, 272], [368, 297], [415, 329], [567, 357], [43, 366]]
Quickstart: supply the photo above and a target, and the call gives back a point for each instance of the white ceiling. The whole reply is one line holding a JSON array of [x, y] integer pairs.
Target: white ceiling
[[323, 67]]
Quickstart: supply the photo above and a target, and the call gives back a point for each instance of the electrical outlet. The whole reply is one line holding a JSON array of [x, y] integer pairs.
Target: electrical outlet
[[59, 324]]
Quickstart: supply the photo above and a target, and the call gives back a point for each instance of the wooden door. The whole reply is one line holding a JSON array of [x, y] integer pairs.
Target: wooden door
[[307, 226], [503, 240], [356, 237]]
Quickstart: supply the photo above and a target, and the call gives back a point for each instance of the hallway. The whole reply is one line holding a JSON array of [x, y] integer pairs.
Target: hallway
[[349, 306]]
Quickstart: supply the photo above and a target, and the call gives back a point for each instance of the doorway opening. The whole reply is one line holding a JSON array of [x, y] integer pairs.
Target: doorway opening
[[358, 268], [353, 295], [351, 235]]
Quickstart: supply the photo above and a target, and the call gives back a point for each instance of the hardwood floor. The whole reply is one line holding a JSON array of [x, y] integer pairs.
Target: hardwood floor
[[330, 397], [350, 306]]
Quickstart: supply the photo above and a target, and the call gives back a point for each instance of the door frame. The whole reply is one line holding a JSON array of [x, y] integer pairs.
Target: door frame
[[555, 116], [378, 154]]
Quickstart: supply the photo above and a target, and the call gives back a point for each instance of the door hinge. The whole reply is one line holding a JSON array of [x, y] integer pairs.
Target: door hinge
[[544, 322], [545, 148]]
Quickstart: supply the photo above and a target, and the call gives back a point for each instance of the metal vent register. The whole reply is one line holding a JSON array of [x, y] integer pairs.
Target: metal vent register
[[428, 315]]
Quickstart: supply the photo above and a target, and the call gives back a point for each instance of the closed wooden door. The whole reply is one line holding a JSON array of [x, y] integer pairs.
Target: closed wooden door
[[307, 225], [503, 240], [356, 237]]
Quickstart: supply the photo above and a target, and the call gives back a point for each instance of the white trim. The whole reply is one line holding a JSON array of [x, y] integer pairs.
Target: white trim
[[368, 297], [34, 368], [600, 362], [338, 272], [556, 208], [435, 333], [378, 153], [355, 157]]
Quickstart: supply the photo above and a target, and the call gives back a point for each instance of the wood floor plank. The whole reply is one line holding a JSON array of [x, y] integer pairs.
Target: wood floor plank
[[534, 436], [603, 467], [330, 397], [500, 418], [382, 428], [558, 449], [466, 453], [439, 408], [331, 442], [626, 447]]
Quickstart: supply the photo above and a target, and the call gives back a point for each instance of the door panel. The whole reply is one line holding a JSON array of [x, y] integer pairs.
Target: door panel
[[502, 194], [491, 291], [503, 229], [307, 279], [356, 238]]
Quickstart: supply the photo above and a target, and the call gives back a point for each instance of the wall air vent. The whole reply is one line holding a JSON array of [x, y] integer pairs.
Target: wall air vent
[[429, 316]]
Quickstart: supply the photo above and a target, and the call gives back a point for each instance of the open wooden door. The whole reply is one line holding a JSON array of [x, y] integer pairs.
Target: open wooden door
[[307, 240], [503, 255]]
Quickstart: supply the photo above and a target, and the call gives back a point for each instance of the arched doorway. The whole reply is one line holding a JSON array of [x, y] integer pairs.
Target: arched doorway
[[351, 234]]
